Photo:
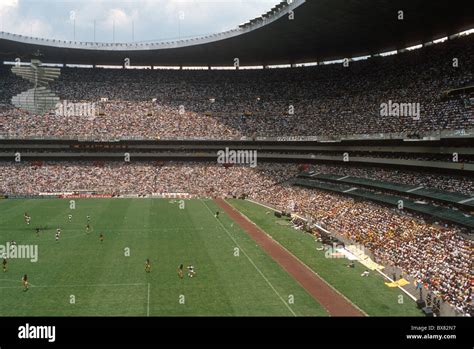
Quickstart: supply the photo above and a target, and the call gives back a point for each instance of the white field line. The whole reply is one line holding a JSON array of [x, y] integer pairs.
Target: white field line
[[401, 288], [258, 203], [66, 236], [19, 282], [304, 264], [65, 229], [72, 285], [251, 261], [148, 302]]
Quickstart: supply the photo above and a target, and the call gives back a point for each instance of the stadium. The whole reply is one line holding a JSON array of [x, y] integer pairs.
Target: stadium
[[314, 161]]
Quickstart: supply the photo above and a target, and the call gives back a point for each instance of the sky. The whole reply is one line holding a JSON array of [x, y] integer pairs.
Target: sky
[[134, 20]]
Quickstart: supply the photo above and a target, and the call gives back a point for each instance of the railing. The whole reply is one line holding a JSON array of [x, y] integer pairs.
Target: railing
[[433, 135]]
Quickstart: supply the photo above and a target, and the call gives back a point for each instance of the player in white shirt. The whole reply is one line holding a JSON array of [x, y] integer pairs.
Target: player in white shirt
[[191, 271]]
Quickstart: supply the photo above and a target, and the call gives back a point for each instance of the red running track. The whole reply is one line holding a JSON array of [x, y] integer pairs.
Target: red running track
[[331, 300]]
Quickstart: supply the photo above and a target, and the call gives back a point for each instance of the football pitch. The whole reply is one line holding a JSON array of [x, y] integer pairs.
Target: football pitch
[[81, 276]]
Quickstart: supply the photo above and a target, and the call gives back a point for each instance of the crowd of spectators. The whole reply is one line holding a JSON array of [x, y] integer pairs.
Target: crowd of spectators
[[444, 182], [198, 179], [437, 255], [308, 101]]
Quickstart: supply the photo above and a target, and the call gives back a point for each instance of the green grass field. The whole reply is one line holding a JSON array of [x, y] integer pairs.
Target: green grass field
[[368, 293], [81, 276]]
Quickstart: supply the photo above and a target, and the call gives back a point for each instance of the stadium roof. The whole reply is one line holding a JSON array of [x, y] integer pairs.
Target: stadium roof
[[321, 30]]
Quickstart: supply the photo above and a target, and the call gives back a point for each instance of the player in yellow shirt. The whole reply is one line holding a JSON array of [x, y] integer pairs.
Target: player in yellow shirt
[[24, 279], [147, 265]]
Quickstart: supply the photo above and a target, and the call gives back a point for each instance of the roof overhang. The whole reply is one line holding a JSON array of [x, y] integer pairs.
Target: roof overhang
[[321, 30]]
